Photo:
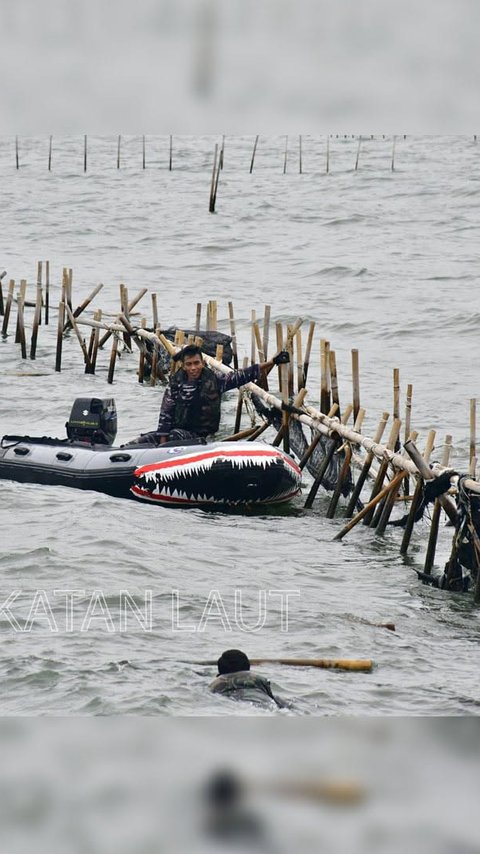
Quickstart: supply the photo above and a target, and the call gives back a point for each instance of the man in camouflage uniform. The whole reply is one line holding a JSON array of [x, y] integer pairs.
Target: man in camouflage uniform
[[236, 680]]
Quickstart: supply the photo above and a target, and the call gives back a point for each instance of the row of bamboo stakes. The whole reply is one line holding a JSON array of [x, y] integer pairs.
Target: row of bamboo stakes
[[391, 482], [286, 158]]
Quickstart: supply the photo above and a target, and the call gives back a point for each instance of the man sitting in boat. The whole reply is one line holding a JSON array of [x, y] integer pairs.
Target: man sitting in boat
[[191, 403], [236, 680]]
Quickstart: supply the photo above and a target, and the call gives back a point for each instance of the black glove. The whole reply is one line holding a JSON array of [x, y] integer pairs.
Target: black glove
[[281, 358]]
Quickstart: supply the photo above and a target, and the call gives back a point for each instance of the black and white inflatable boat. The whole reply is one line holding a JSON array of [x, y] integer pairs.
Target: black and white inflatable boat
[[228, 474]]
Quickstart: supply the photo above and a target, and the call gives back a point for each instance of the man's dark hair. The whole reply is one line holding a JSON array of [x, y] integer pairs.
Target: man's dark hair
[[189, 350], [231, 661]]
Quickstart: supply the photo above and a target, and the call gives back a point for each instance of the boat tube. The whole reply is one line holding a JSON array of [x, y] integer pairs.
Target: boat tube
[[193, 474]]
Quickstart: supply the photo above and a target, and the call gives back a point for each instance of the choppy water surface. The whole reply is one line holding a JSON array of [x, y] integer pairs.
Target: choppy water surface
[[386, 262]]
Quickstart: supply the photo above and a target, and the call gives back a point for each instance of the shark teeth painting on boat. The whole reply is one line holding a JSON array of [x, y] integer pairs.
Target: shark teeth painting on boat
[[221, 474]]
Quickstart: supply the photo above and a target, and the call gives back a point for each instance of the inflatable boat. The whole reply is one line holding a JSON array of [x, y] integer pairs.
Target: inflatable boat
[[223, 474]]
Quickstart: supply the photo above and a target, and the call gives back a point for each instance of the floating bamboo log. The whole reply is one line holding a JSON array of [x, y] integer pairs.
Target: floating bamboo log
[[351, 664]]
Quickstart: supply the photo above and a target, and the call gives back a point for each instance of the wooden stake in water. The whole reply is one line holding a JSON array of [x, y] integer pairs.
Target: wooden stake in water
[[393, 153], [324, 376], [396, 393], [417, 495], [266, 330], [211, 205], [334, 380], [308, 350], [50, 153], [358, 152], [60, 324], [21, 325], [327, 167], [285, 156], [17, 163], [39, 285], [154, 312], [233, 334], [355, 382], [113, 357], [141, 360], [118, 150], [198, 317], [8, 307], [143, 156], [2, 309], [93, 344], [437, 507], [253, 154], [47, 291], [36, 322], [21, 295], [300, 164], [366, 467], [85, 153], [170, 156], [222, 153], [473, 437]]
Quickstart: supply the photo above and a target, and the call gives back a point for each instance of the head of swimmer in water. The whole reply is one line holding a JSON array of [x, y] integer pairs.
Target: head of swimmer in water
[[232, 661]]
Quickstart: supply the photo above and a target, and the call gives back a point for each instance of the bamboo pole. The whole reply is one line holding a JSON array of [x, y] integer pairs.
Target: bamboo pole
[[258, 341], [154, 312], [308, 350], [69, 291], [427, 474], [418, 492], [366, 467], [21, 325], [313, 444], [61, 318], [93, 345], [8, 307], [170, 156], [143, 156], [286, 155], [50, 153], [217, 178], [300, 159], [124, 306], [384, 510], [131, 306], [355, 382], [85, 153], [2, 308], [222, 152], [211, 204], [334, 379], [290, 365], [81, 308], [266, 330], [353, 665], [17, 161], [253, 154], [141, 359], [383, 469], [47, 291], [300, 376], [393, 153], [279, 335], [238, 411], [21, 294], [321, 473], [325, 394], [81, 341], [358, 152], [473, 438], [39, 285], [36, 323], [327, 164], [396, 393], [113, 357], [198, 317], [437, 507], [393, 484]]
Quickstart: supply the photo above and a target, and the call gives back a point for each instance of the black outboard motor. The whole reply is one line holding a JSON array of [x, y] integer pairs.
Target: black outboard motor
[[93, 420]]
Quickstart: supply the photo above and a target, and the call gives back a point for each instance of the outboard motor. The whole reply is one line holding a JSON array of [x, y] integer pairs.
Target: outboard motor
[[93, 420]]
